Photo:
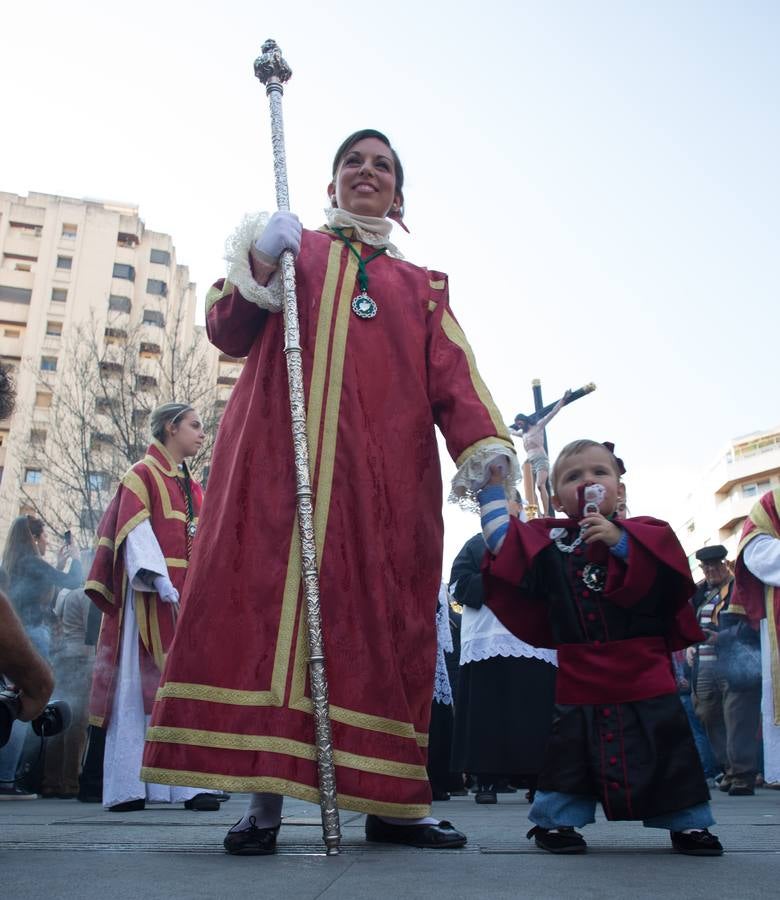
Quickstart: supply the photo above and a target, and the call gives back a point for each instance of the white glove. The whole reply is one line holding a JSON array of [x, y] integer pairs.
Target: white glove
[[167, 592], [283, 232]]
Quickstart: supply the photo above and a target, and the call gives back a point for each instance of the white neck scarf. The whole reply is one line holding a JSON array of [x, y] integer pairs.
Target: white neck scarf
[[368, 229]]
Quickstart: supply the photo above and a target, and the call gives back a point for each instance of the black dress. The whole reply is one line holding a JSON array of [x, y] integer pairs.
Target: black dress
[[504, 705]]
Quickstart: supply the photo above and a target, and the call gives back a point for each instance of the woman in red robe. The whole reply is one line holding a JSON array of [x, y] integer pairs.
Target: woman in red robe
[[144, 544], [384, 362]]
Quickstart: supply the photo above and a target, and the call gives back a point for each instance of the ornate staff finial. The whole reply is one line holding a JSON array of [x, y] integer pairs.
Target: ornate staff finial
[[270, 66]]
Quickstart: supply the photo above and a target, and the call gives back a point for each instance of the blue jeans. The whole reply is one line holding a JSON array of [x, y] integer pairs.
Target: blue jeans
[[707, 757], [553, 809], [11, 754]]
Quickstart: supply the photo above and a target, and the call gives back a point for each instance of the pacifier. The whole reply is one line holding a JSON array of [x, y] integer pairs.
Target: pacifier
[[590, 497]]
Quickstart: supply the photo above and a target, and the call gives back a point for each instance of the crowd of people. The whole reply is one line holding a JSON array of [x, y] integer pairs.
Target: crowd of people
[[586, 667]]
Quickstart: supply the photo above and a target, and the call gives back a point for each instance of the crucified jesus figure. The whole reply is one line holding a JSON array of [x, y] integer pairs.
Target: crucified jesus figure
[[532, 433]]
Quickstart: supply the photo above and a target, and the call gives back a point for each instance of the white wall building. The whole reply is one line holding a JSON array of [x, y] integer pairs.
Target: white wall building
[[747, 468]]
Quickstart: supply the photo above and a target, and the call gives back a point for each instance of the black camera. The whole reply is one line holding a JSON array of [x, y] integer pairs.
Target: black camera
[[54, 719]]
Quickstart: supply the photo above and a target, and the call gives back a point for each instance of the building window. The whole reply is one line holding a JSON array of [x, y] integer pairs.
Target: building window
[[117, 303], [111, 368], [11, 333], [15, 294], [48, 364], [64, 262], [69, 231], [98, 481], [27, 228], [32, 476], [2, 468], [226, 379], [160, 256], [123, 270], [149, 349], [38, 437], [43, 399], [19, 257], [115, 334], [153, 317], [155, 286], [145, 382], [105, 405], [54, 329], [126, 239], [59, 295]]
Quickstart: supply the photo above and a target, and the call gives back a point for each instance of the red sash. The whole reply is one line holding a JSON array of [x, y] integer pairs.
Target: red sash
[[614, 672]]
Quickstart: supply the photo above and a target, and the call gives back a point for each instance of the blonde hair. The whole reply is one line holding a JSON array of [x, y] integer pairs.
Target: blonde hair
[[572, 449], [165, 413]]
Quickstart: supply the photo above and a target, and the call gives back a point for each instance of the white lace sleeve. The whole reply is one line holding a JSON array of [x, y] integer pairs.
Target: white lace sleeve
[[762, 557], [239, 273], [142, 551], [473, 475]]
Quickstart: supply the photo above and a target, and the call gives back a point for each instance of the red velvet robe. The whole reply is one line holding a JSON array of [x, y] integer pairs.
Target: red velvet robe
[[147, 491], [752, 597], [234, 708]]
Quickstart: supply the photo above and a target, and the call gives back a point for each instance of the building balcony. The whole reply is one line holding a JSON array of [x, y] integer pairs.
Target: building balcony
[[14, 312], [12, 346], [747, 467], [732, 510]]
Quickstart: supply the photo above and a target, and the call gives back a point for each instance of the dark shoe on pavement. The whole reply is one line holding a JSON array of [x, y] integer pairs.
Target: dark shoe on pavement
[[203, 803], [741, 789], [89, 798], [251, 841], [461, 792], [724, 783], [16, 793], [485, 795], [222, 796], [130, 806], [442, 836], [441, 795], [559, 840], [696, 843]]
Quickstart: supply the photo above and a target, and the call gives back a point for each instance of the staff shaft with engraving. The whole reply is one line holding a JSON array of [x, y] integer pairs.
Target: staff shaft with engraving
[[273, 72]]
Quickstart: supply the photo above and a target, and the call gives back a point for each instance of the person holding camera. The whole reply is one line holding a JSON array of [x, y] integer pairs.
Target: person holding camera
[[31, 586]]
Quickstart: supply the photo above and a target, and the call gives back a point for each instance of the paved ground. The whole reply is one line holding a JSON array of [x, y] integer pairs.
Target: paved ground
[[56, 848]]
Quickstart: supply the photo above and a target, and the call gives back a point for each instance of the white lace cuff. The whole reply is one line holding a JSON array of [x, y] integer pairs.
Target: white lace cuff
[[239, 272], [474, 474]]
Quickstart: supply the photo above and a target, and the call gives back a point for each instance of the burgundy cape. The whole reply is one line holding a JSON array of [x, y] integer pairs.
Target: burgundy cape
[[752, 597], [147, 491], [234, 708], [620, 732], [653, 543]]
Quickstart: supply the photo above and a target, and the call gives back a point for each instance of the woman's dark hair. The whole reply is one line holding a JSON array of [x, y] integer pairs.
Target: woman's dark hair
[[21, 542], [7, 392], [361, 135]]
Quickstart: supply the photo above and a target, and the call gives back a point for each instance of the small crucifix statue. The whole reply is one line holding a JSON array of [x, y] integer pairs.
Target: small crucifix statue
[[536, 471]]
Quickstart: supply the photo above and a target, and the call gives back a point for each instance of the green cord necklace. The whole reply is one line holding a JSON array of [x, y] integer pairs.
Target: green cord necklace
[[363, 306]]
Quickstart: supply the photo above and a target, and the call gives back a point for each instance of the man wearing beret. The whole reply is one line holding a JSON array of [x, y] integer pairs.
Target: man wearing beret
[[727, 699]]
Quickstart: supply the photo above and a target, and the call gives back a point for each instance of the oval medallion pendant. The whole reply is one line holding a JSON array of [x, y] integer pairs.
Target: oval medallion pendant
[[363, 306], [191, 529]]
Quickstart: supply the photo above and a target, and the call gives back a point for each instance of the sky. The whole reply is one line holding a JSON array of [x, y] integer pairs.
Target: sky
[[599, 179]]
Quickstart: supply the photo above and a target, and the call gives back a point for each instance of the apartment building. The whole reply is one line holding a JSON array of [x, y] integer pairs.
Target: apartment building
[[715, 512], [67, 264]]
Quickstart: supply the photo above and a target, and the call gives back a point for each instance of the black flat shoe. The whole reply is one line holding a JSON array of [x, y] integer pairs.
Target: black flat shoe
[[696, 843], [222, 796], [251, 841], [442, 836], [130, 806], [561, 840], [486, 796], [203, 803]]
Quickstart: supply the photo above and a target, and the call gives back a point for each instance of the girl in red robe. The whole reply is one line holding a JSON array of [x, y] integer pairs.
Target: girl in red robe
[[144, 545], [384, 362]]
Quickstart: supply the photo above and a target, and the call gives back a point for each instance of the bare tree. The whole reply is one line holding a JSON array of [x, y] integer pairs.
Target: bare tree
[[109, 379]]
